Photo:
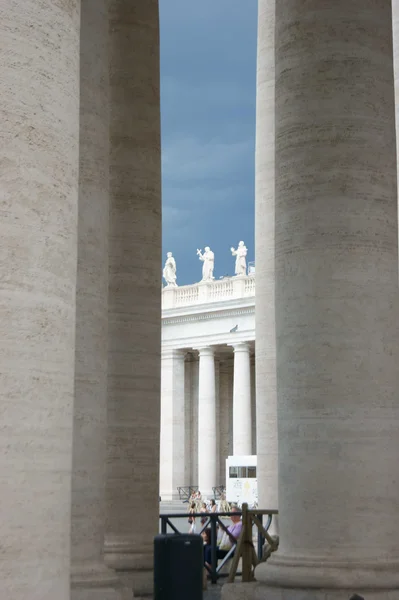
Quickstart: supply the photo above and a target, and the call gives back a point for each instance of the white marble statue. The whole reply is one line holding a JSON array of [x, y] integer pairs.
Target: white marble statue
[[169, 271], [208, 258], [241, 261]]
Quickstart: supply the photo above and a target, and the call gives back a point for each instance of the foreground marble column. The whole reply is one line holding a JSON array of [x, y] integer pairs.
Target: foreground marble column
[[395, 27], [336, 303], [242, 421], [207, 446], [265, 357], [173, 434], [39, 89], [134, 358], [90, 579]]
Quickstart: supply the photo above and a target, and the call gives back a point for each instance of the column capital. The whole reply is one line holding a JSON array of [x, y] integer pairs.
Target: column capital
[[241, 347], [205, 350], [168, 353]]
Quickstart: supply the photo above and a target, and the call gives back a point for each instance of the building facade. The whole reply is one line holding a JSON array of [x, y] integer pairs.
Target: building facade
[[208, 406]]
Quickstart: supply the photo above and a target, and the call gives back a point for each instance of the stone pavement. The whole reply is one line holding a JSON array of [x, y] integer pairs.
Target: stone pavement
[[214, 592]]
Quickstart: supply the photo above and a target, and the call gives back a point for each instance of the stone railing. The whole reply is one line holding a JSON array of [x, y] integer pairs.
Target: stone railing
[[219, 290]]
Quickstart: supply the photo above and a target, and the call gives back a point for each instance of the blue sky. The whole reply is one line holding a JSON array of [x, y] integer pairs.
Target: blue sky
[[208, 76]]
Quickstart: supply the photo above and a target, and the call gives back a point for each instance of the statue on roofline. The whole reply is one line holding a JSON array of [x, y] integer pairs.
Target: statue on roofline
[[208, 258], [169, 271], [241, 261]]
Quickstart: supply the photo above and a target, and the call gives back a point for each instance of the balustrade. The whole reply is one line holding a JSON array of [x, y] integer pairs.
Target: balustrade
[[249, 286], [229, 288], [187, 294], [220, 289]]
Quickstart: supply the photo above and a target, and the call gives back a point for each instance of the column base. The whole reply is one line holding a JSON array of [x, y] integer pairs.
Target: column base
[[135, 570], [263, 592], [326, 573], [96, 582], [141, 582], [258, 591], [122, 555]]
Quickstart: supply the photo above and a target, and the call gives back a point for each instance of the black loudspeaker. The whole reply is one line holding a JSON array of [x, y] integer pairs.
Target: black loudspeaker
[[178, 567]]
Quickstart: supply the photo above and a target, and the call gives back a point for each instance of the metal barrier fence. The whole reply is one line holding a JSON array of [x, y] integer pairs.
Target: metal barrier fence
[[186, 492], [242, 548], [219, 491]]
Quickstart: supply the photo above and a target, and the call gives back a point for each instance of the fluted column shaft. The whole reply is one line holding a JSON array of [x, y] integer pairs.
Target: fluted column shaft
[[39, 89], [88, 573], [265, 356], [173, 434], [336, 301], [207, 433], [242, 421], [134, 358]]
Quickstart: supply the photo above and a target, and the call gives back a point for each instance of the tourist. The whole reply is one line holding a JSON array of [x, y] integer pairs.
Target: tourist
[[228, 539], [213, 506], [191, 518], [206, 536], [203, 509]]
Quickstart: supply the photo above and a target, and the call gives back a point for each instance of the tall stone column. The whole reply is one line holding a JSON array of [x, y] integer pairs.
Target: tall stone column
[[39, 89], [336, 303], [395, 27], [90, 579], [217, 424], [226, 414], [242, 422], [265, 355], [194, 370], [173, 431], [207, 447], [134, 357]]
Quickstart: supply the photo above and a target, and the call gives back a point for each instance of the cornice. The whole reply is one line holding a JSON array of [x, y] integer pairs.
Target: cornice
[[202, 341], [220, 314]]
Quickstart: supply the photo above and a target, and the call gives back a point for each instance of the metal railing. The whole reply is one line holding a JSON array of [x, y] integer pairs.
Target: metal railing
[[219, 491], [186, 491], [244, 547]]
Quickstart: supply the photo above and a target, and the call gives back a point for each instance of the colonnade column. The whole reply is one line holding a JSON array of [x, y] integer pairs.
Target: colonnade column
[[39, 89], [336, 303], [134, 357], [172, 466], [242, 422], [395, 27], [207, 433], [265, 326], [89, 576]]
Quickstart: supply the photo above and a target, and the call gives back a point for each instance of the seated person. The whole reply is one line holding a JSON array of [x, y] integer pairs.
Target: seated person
[[206, 536], [227, 541]]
